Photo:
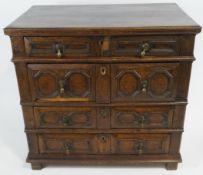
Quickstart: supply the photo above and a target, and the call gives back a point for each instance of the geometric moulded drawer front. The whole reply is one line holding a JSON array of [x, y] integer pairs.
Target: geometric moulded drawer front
[[140, 143], [144, 82], [65, 117], [104, 143], [142, 117], [68, 143], [147, 45], [129, 82], [58, 82], [46, 47]]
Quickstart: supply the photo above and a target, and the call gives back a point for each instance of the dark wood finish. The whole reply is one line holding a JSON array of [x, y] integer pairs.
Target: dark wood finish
[[87, 19], [58, 82], [103, 84], [144, 82], [142, 117], [68, 46], [171, 166], [140, 144], [68, 144], [104, 144], [63, 117], [133, 46], [103, 118], [105, 159], [36, 166]]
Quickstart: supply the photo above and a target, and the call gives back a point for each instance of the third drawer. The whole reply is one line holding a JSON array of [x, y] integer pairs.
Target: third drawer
[[105, 117]]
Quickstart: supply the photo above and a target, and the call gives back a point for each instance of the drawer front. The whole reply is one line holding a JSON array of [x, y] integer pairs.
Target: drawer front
[[65, 117], [144, 82], [145, 46], [74, 143], [68, 143], [141, 117], [140, 144], [60, 46], [104, 143], [58, 82]]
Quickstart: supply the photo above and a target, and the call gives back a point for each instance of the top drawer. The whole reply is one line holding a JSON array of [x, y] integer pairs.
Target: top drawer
[[145, 46], [108, 46], [60, 46]]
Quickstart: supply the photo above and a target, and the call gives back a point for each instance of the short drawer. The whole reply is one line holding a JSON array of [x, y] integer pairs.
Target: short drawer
[[144, 82], [65, 117], [60, 46], [62, 82], [142, 117], [145, 46], [140, 144]]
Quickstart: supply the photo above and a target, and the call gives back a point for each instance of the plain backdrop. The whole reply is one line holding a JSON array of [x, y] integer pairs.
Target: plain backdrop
[[13, 145]]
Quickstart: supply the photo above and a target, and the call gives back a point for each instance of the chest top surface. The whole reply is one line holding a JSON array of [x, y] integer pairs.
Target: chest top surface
[[136, 16]]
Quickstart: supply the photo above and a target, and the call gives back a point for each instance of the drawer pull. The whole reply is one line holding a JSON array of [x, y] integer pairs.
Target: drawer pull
[[101, 42], [145, 48], [144, 85], [141, 121], [140, 147], [103, 70], [66, 120], [68, 147], [58, 51], [61, 86], [59, 54]]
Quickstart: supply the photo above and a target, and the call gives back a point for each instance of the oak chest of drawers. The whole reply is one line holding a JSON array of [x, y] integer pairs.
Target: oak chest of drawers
[[104, 85]]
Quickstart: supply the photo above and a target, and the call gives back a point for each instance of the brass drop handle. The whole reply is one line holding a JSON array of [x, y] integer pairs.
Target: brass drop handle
[[66, 120], [145, 48], [61, 86], [105, 46], [103, 70], [144, 86], [58, 51], [67, 147], [100, 42], [141, 120], [140, 146]]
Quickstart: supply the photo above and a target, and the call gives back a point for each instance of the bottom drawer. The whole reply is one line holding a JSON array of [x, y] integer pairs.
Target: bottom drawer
[[104, 143]]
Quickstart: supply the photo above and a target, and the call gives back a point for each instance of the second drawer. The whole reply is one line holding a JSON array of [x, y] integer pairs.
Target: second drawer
[[104, 117]]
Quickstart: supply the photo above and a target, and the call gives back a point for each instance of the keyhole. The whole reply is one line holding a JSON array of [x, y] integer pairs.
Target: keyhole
[[103, 70], [103, 138]]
